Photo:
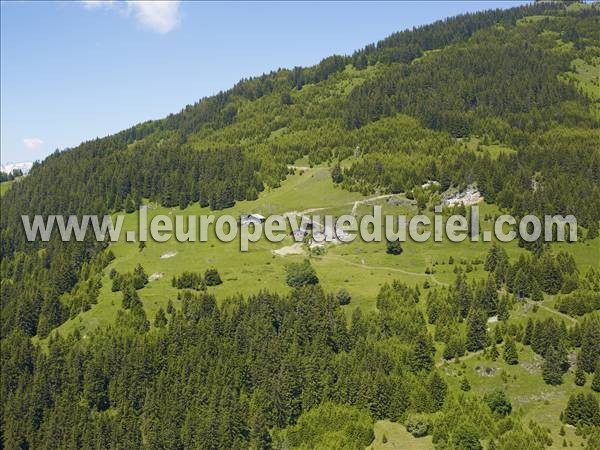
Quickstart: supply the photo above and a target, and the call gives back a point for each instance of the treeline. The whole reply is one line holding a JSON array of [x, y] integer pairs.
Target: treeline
[[584, 299], [15, 173], [533, 275], [195, 281]]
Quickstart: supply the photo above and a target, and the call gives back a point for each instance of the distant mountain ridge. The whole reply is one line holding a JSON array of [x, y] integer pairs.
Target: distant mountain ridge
[[24, 166]]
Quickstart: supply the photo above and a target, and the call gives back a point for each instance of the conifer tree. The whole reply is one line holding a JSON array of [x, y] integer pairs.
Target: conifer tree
[[528, 332], [464, 384], [593, 230], [579, 375], [596, 379], [212, 277], [498, 336], [590, 344], [494, 353], [421, 357], [552, 367], [536, 291], [170, 307], [160, 320], [503, 308], [521, 284], [476, 330], [489, 296], [438, 390], [510, 354]]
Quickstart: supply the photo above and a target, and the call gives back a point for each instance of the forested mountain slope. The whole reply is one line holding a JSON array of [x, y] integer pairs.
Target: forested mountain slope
[[248, 373]]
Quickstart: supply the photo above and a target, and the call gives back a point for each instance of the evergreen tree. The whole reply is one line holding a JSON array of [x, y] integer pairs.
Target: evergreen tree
[[596, 379], [393, 247], [593, 230], [510, 354], [336, 174], [498, 402], [343, 297], [590, 344], [301, 274], [466, 436], [552, 367], [465, 385], [494, 353], [421, 356], [498, 336], [489, 296], [579, 375], [528, 332], [170, 307], [521, 284], [504, 308], [140, 279], [476, 330], [438, 390], [131, 298], [212, 277], [160, 320], [536, 291]]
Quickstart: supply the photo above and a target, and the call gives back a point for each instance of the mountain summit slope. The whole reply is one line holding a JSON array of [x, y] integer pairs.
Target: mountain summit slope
[[504, 99]]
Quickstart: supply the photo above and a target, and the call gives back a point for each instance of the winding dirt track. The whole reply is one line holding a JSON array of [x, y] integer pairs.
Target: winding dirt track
[[392, 269]]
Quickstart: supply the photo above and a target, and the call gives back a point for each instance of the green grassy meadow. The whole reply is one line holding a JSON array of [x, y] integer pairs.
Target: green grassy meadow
[[4, 186], [360, 267]]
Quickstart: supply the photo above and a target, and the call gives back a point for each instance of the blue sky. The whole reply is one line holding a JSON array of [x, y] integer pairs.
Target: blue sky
[[74, 71]]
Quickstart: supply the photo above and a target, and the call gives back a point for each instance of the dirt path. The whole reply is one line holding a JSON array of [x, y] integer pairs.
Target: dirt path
[[294, 249], [553, 311], [354, 205], [291, 166], [361, 202], [392, 269]]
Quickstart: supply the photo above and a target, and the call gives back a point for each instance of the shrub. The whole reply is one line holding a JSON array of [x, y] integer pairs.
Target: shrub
[[301, 274], [394, 248], [343, 296], [212, 277], [189, 280], [498, 402], [328, 425], [418, 425]]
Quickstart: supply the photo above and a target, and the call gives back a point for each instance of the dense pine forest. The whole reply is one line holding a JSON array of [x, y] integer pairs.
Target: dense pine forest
[[306, 368]]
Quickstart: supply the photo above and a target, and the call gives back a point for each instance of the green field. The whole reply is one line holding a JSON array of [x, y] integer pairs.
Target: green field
[[360, 267], [4, 187]]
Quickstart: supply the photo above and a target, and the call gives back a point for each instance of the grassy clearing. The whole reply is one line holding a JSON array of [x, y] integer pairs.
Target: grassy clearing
[[4, 186], [360, 267], [524, 386], [397, 438], [587, 76], [494, 150]]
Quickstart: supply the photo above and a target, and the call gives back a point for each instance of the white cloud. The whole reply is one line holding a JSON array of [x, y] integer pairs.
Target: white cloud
[[158, 16], [95, 4], [33, 143]]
